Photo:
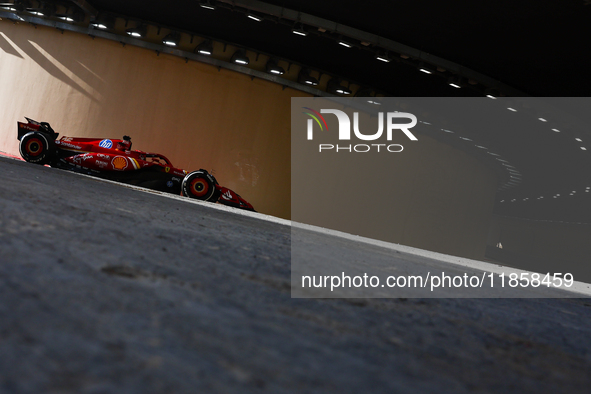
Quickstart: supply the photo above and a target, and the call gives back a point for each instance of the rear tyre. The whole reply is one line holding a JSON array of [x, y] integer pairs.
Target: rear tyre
[[37, 148], [200, 185]]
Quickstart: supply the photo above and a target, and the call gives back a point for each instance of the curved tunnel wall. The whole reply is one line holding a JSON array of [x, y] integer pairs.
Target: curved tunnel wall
[[192, 113], [430, 196]]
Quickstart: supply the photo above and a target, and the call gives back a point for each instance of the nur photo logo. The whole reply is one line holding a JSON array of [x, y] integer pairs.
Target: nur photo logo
[[386, 121]]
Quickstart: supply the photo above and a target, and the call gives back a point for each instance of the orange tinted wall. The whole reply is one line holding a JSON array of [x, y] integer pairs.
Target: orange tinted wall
[[193, 113]]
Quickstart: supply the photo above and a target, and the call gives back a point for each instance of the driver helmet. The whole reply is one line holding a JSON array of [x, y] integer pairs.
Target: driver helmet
[[124, 144]]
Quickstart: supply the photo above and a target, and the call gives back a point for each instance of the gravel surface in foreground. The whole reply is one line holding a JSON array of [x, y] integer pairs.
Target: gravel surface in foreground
[[105, 289]]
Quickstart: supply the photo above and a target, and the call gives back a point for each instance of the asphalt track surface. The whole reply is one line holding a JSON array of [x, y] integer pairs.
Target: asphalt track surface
[[106, 289]]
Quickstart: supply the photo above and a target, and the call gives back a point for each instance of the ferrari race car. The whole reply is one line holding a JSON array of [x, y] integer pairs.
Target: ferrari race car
[[113, 159]]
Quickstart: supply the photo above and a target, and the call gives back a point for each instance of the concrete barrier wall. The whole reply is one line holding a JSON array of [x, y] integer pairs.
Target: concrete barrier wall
[[192, 113]]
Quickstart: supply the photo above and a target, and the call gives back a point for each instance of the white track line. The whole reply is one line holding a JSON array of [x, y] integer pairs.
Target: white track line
[[581, 288]]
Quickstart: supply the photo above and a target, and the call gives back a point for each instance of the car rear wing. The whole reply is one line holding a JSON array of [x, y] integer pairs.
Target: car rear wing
[[32, 125]]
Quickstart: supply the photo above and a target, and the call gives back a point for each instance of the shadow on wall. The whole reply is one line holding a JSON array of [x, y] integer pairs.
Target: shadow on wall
[[7, 47], [66, 69]]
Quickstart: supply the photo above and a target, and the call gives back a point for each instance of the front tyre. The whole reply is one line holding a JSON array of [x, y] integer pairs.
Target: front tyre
[[37, 148], [200, 185]]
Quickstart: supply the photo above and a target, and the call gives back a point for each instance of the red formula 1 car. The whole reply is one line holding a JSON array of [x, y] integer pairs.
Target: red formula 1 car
[[113, 159]]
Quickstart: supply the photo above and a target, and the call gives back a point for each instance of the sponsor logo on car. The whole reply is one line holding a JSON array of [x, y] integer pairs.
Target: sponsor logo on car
[[108, 144], [68, 145], [119, 163], [169, 184], [80, 158], [227, 196]]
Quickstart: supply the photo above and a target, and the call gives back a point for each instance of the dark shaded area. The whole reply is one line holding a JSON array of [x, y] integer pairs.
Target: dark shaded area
[[8, 48], [535, 47], [107, 289]]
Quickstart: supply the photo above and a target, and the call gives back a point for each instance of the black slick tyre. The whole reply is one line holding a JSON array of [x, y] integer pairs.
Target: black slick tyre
[[37, 148], [199, 185]]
